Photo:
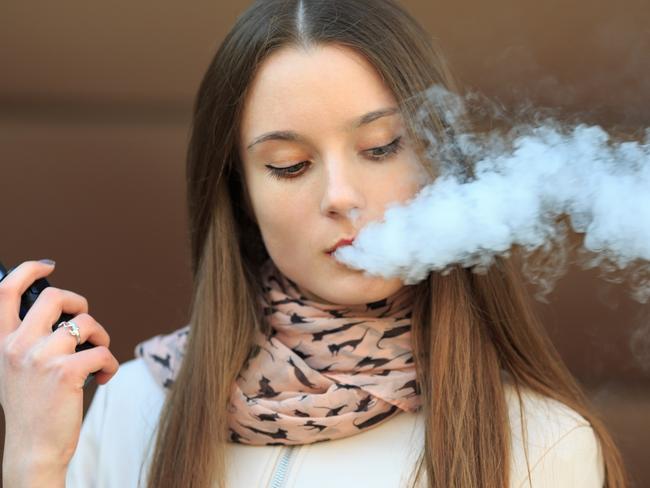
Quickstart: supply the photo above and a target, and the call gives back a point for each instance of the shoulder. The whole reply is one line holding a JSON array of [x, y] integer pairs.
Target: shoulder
[[560, 445]]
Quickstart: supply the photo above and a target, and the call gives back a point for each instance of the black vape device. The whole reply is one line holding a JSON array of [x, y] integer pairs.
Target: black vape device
[[27, 300]]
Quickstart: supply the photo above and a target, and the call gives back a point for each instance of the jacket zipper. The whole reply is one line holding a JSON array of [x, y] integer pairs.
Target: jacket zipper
[[282, 468]]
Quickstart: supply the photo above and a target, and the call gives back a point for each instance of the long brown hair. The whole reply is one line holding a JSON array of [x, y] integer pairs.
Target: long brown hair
[[466, 327]]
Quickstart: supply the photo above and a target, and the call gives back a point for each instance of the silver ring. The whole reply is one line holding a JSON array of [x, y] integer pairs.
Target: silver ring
[[73, 329]]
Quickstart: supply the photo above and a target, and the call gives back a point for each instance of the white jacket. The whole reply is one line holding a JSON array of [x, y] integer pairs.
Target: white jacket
[[116, 439]]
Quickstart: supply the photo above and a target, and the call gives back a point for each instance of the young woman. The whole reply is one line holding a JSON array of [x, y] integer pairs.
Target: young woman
[[295, 370]]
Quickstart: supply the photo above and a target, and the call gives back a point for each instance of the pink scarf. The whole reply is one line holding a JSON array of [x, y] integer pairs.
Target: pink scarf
[[325, 372]]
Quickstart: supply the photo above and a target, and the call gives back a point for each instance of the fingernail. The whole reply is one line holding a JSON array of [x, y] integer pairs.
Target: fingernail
[[48, 262]]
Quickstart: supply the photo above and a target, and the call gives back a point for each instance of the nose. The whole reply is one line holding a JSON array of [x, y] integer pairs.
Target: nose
[[342, 192]]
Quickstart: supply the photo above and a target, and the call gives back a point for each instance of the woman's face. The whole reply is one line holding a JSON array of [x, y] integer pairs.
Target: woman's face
[[320, 162]]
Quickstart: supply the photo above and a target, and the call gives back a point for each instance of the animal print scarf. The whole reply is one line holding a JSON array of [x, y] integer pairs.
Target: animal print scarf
[[324, 372]]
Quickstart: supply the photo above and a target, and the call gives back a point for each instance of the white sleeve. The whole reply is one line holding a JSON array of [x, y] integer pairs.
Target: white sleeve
[[82, 469], [574, 461]]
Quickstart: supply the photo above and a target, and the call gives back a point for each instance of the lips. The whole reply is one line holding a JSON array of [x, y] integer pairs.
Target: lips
[[342, 242]]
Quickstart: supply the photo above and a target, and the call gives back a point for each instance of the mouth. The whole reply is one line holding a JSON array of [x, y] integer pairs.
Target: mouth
[[342, 242]]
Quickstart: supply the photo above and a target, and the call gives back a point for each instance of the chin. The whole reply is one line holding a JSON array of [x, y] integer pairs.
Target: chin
[[359, 290]]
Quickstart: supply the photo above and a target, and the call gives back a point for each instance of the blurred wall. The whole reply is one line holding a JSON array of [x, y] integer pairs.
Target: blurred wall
[[95, 104]]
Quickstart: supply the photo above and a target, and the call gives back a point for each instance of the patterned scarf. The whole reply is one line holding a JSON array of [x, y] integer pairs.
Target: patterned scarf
[[324, 372]]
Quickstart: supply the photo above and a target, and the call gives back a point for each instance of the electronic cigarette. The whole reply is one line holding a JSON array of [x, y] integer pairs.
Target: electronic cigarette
[[27, 300]]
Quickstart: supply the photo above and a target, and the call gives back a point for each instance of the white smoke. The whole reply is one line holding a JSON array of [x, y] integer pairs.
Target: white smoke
[[528, 186]]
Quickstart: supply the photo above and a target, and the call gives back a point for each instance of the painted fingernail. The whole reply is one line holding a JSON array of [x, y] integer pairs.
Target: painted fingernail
[[48, 262]]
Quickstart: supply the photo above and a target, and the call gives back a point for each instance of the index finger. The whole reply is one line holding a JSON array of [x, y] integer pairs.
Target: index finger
[[14, 284]]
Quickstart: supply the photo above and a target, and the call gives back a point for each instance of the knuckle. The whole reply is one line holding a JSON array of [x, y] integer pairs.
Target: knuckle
[[15, 362], [52, 293], [104, 338], [103, 331], [104, 353], [13, 353], [81, 299], [85, 317], [7, 290], [35, 358], [93, 324], [65, 371]]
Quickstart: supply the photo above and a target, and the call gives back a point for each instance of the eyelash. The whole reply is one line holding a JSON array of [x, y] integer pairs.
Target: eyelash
[[389, 150]]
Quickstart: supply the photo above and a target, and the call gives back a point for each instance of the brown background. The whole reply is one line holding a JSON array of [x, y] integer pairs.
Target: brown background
[[95, 100]]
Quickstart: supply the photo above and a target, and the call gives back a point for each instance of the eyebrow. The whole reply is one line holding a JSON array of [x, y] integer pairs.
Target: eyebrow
[[288, 135]]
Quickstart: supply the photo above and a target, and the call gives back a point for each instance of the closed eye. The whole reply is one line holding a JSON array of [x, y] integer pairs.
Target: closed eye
[[374, 154]]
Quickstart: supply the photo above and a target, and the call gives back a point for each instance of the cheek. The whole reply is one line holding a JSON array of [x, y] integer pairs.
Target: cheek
[[401, 183], [281, 214], [416, 175]]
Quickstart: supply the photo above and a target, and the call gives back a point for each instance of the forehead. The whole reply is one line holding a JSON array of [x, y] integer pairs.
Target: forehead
[[324, 84]]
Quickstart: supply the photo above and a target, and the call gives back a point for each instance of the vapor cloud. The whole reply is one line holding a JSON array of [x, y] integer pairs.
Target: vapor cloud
[[531, 186]]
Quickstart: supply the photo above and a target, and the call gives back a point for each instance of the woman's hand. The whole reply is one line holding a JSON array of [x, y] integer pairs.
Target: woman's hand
[[41, 376]]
